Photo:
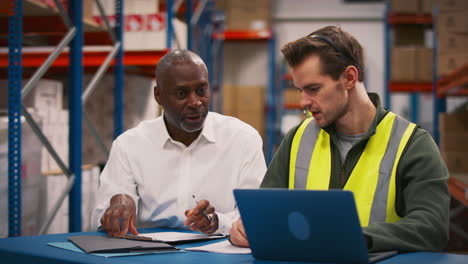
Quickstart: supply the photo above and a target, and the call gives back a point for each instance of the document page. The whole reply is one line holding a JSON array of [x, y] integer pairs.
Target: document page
[[221, 247]]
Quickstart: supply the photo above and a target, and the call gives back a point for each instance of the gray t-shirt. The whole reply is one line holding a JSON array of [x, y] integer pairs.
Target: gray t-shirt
[[346, 142]]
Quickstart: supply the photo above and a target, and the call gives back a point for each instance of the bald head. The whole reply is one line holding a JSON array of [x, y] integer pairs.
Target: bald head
[[176, 57]]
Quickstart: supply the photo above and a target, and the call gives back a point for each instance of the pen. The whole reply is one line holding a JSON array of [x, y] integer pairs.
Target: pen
[[203, 211]]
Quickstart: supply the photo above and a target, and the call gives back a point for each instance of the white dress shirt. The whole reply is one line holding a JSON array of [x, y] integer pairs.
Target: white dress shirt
[[161, 174]]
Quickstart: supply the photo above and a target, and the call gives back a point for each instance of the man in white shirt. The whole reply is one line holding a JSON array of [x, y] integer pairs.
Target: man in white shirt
[[173, 171]]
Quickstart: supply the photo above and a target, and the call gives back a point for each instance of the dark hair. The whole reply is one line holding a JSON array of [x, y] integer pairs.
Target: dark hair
[[336, 48]]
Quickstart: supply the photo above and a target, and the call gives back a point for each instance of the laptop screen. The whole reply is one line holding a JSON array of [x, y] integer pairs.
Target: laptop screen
[[302, 225]]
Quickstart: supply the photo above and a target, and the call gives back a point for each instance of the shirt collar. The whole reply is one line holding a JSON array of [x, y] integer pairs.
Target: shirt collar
[[208, 131]]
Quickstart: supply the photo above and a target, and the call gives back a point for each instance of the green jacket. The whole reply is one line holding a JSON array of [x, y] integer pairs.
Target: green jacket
[[422, 196]]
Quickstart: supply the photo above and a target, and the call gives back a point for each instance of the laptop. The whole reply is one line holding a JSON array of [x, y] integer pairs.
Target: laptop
[[303, 225]]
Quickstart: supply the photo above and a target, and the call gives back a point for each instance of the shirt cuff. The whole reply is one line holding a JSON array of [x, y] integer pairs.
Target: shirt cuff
[[224, 224]]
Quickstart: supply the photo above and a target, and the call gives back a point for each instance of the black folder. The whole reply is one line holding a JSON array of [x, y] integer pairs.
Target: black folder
[[104, 244]]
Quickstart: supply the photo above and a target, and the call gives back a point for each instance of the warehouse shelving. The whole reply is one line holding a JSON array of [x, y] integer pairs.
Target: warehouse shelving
[[73, 31], [270, 106], [22, 18], [413, 88], [454, 83]]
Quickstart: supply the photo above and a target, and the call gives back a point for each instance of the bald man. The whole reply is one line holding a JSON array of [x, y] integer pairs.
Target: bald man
[[179, 170]]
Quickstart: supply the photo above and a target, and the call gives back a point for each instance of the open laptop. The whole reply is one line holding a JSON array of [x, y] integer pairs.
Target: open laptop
[[302, 225]]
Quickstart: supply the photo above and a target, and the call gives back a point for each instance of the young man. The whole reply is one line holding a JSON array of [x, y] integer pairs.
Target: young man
[[174, 171], [392, 166]]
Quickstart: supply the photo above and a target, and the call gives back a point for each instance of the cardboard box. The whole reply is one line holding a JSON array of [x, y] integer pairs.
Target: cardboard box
[[246, 103], [448, 62], [426, 6], [452, 5], [130, 7], [48, 94], [454, 21], [405, 6], [292, 96], [247, 15], [229, 100], [452, 42], [457, 162], [424, 64], [454, 141], [403, 64], [405, 35], [453, 122]]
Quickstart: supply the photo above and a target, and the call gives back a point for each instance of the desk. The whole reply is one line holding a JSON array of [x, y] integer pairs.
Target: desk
[[34, 249]]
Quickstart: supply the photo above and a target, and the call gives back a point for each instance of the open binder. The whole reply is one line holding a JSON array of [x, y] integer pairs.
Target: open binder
[[104, 244]]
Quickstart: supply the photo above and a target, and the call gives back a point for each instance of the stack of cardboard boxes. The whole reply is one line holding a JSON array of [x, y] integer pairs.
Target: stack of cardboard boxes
[[246, 14], [454, 143], [452, 26], [32, 182], [246, 103], [89, 190], [411, 54], [145, 26]]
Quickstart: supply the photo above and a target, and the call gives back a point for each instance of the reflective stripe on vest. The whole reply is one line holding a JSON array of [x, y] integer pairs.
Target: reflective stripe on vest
[[373, 186]]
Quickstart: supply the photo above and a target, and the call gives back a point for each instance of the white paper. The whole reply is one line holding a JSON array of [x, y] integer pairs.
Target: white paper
[[176, 236], [221, 247]]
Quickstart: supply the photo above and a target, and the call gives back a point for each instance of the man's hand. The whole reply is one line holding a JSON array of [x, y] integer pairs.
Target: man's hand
[[202, 218], [237, 234], [119, 218]]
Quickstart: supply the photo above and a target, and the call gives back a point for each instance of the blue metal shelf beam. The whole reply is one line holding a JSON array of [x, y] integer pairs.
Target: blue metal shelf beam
[[75, 9], [169, 25], [439, 105], [271, 100], [118, 70], [15, 28]]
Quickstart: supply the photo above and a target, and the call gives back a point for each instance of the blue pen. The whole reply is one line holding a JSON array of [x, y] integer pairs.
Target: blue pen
[[203, 211]]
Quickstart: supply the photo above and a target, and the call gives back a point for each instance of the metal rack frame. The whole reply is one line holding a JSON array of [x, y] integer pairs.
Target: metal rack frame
[[74, 37]]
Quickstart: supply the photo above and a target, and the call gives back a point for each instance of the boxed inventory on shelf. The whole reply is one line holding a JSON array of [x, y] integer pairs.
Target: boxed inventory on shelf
[[452, 5], [448, 62], [454, 141], [145, 26], [47, 94], [453, 42], [404, 6], [246, 103], [292, 96], [411, 64], [403, 63], [46, 99], [56, 182], [411, 6], [246, 14], [453, 21], [32, 183]]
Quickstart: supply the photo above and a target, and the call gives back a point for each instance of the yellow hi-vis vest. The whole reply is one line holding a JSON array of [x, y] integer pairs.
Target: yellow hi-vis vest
[[372, 180]]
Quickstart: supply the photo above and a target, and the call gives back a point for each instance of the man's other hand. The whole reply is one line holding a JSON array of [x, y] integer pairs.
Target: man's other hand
[[237, 235], [119, 218]]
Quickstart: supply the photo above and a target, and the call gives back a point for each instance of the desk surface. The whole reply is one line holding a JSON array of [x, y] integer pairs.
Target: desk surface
[[34, 249]]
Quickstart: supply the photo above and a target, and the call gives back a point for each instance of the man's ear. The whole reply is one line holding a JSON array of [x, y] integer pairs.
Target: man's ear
[[351, 75], [157, 94]]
